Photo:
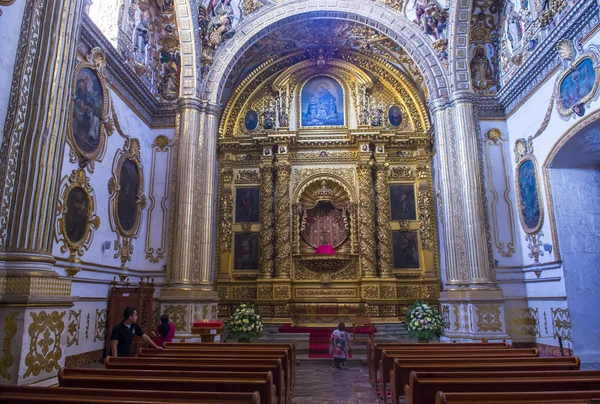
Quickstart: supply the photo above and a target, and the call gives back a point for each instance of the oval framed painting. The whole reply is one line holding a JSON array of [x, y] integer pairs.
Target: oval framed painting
[[129, 186], [76, 215], [395, 116], [529, 197], [578, 85], [251, 120]]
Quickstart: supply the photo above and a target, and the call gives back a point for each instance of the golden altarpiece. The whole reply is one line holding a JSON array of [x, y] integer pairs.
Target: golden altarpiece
[[326, 150]]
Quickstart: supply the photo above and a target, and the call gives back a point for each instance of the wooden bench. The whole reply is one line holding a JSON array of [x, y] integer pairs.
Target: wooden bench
[[387, 358], [374, 351], [58, 395], [214, 365], [224, 382], [403, 367], [423, 387], [528, 397]]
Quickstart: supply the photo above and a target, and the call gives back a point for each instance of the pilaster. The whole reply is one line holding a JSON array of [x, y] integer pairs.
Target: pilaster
[[266, 251], [366, 218], [283, 253], [384, 230]]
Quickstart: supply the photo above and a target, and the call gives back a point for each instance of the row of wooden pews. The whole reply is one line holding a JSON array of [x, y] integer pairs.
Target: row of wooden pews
[[206, 373], [462, 373]]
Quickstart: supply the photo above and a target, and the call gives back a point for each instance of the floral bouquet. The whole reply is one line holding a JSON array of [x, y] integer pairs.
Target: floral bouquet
[[245, 324], [424, 321]]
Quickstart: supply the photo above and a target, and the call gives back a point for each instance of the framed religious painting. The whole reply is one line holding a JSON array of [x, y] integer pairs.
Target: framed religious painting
[[578, 85], [89, 123], [406, 249], [245, 251], [247, 201], [529, 197], [251, 120], [322, 103], [402, 200], [395, 116]]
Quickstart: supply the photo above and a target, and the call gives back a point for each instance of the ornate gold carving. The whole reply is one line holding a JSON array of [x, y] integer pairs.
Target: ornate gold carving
[[244, 292], [401, 173], [325, 157], [87, 327], [10, 330], [427, 218], [246, 227], [370, 292], [101, 324], [523, 321], [45, 352], [303, 174], [387, 310], [325, 292], [251, 6], [384, 230], [282, 311], [494, 135], [122, 245], [346, 274], [162, 144], [561, 321], [395, 4], [247, 177], [283, 253], [223, 292], [446, 316], [281, 292], [226, 233], [177, 314], [264, 292], [387, 292], [76, 181], [372, 310], [37, 286], [409, 292], [303, 274], [488, 318], [266, 252], [568, 68], [325, 263], [73, 328], [432, 292], [366, 220], [456, 317]]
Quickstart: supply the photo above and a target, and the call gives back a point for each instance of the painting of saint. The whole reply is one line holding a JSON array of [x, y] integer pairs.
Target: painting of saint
[[403, 202], [481, 69], [129, 183], [246, 205], [406, 249], [245, 254], [76, 215], [395, 116], [87, 110], [577, 84], [322, 102], [529, 199], [251, 120]]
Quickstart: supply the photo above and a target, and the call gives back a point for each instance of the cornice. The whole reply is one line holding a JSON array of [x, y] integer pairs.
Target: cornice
[[579, 21], [124, 80]]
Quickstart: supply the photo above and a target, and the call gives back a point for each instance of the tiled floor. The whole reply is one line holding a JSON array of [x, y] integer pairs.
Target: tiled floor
[[318, 382]]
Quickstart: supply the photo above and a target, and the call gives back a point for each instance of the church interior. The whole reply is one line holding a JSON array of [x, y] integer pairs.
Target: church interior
[[320, 161]]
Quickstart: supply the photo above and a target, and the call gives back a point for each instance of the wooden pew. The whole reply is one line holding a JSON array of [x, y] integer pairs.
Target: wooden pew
[[423, 387], [374, 351], [387, 358], [403, 367], [58, 395], [177, 381], [214, 365], [520, 397]]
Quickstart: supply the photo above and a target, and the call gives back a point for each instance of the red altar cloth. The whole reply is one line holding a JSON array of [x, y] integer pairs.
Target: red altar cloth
[[207, 324], [325, 249]]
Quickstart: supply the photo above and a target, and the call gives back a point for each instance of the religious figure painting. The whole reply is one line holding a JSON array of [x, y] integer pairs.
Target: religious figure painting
[[530, 210], [251, 120], [395, 116], [129, 183], [87, 110], [322, 102], [406, 249], [578, 84], [76, 215], [403, 202], [482, 73], [245, 251], [246, 205]]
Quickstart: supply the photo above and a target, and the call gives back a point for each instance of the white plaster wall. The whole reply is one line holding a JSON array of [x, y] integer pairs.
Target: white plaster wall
[[10, 22], [87, 330]]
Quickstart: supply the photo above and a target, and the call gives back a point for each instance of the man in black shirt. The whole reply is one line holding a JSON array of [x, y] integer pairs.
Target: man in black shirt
[[122, 335]]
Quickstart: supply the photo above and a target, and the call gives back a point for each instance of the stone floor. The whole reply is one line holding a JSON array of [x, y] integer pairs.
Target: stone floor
[[318, 381]]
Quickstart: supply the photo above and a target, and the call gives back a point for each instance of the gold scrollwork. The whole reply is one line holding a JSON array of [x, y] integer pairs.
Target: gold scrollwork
[[281, 292], [264, 292], [283, 253], [561, 320], [325, 292], [96, 62], [177, 314], [226, 233], [366, 220], [73, 327], [401, 173], [384, 230], [101, 324], [10, 330], [244, 292], [370, 292], [456, 317], [427, 218], [80, 183], [346, 274], [488, 318], [409, 292], [266, 235], [247, 177], [223, 292], [45, 352], [523, 321], [123, 246], [387, 292]]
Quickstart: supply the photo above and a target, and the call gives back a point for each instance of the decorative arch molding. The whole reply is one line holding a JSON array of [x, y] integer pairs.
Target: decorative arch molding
[[341, 188], [376, 16], [458, 42], [187, 23]]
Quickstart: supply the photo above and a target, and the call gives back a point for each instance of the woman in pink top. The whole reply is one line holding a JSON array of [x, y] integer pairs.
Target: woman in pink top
[[165, 331]]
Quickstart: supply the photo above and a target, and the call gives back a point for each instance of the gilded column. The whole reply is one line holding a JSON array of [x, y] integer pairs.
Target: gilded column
[[181, 265], [283, 252], [384, 230], [265, 263], [366, 220]]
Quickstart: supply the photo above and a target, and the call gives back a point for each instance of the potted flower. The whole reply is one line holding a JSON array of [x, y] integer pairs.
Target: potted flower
[[424, 321], [245, 324]]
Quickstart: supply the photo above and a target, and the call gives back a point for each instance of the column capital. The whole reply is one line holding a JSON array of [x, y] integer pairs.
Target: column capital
[[213, 109], [462, 97], [189, 103], [439, 104]]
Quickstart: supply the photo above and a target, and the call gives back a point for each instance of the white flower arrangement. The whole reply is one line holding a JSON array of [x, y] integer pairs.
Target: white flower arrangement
[[245, 323], [424, 321]]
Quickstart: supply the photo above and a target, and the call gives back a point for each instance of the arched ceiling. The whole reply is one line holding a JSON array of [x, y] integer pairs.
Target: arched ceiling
[[330, 35]]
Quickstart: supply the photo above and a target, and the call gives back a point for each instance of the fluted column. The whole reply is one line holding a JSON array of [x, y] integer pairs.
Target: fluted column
[[283, 252], [265, 256], [366, 220], [182, 257], [384, 230]]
